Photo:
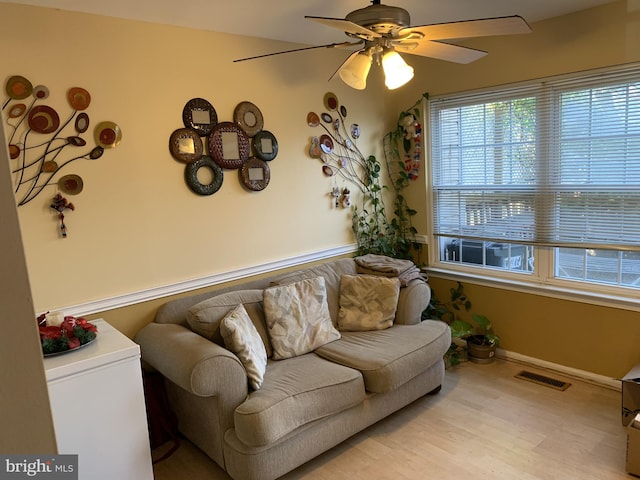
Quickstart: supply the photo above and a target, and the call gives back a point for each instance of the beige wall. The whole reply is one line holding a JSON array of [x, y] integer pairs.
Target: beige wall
[[587, 337], [138, 227]]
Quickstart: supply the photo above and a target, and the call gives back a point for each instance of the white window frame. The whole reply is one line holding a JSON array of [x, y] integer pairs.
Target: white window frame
[[542, 281]]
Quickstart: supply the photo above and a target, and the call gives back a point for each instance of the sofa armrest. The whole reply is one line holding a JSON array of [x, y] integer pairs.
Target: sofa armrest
[[413, 300], [194, 363]]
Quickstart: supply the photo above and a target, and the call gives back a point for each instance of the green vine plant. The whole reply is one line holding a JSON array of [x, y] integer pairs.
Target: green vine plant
[[373, 230], [455, 312]]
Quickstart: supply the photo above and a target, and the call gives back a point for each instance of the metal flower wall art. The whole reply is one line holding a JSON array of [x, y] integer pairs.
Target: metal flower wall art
[[42, 145], [337, 150]]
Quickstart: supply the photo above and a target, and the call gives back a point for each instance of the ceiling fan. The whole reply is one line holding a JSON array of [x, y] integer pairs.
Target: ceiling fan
[[381, 31]]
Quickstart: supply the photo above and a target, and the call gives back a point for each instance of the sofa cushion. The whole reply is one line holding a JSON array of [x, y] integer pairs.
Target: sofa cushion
[[367, 302], [298, 318], [241, 337], [205, 317], [389, 358], [331, 272], [295, 392]]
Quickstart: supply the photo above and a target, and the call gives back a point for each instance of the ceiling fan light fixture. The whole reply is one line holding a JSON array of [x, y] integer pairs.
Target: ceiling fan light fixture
[[383, 29], [355, 72], [396, 71]]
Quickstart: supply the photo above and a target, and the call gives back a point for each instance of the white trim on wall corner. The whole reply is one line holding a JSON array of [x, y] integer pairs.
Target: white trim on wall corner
[[423, 239], [583, 375], [196, 283]]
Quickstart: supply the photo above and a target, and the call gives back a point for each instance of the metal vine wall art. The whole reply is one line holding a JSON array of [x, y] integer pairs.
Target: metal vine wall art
[[337, 149], [41, 145]]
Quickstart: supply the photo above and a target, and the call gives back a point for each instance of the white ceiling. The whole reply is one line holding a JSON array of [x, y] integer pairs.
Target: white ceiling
[[284, 19]]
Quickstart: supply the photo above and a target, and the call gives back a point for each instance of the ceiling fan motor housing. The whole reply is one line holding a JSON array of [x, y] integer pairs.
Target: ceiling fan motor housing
[[382, 19]]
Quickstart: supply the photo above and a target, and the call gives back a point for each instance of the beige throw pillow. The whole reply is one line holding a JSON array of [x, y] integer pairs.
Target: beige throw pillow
[[205, 317], [367, 302], [297, 317], [242, 338]]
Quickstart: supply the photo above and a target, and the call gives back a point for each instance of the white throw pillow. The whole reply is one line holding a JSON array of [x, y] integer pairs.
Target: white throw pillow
[[242, 338], [297, 317]]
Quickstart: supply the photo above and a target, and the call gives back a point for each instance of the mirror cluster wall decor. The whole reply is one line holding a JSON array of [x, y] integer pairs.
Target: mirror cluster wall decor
[[41, 144], [205, 143]]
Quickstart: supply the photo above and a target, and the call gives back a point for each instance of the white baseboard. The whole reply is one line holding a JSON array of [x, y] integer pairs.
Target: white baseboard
[[583, 375]]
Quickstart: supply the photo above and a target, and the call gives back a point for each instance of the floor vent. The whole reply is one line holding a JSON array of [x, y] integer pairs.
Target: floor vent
[[543, 380]]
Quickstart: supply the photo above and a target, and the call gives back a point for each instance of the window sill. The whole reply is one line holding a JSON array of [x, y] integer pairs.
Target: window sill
[[546, 290]]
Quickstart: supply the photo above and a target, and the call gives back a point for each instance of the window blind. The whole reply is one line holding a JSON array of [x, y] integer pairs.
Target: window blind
[[552, 163]]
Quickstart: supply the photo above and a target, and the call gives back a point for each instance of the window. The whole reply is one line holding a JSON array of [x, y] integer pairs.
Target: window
[[547, 172]]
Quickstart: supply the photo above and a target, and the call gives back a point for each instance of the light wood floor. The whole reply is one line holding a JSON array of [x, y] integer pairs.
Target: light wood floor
[[484, 424]]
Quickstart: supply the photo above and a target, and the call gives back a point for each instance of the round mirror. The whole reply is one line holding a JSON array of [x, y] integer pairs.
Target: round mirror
[[250, 119]]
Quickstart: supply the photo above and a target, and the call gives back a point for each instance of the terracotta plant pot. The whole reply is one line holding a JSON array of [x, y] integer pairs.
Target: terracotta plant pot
[[479, 350]]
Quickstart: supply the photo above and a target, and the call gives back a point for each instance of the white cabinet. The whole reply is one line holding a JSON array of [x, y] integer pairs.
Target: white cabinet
[[98, 407]]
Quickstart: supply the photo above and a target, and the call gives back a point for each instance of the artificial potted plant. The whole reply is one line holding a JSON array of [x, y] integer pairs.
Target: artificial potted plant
[[477, 332]]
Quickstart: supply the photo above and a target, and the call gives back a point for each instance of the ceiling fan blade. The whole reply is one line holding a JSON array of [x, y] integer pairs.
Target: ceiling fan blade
[[440, 50], [471, 28], [346, 26], [330, 45]]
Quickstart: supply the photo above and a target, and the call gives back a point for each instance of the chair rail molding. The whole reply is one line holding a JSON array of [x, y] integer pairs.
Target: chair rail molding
[[133, 298]]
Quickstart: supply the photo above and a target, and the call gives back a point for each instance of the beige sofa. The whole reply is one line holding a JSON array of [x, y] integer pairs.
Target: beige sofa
[[307, 404]]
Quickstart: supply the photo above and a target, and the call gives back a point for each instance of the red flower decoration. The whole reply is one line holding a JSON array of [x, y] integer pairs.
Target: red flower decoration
[[53, 333], [67, 325], [81, 322], [72, 333]]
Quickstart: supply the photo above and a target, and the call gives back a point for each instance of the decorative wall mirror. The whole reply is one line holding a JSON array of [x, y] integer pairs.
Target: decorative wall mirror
[[249, 117], [230, 148], [229, 145], [265, 145], [255, 174], [199, 115], [207, 146], [185, 145]]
